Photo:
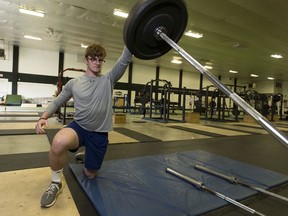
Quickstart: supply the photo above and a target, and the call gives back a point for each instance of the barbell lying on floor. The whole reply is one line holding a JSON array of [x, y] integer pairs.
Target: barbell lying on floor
[[200, 185], [154, 27], [235, 180]]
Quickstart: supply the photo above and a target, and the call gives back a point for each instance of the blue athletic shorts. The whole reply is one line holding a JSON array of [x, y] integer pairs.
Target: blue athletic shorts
[[95, 145]]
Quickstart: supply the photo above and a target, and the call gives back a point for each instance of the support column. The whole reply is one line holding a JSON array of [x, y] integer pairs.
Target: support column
[[15, 70]]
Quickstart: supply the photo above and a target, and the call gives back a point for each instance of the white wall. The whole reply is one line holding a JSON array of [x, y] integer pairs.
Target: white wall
[[6, 65], [190, 80], [5, 87], [40, 62], [143, 74], [170, 75], [35, 90], [73, 61], [265, 86]]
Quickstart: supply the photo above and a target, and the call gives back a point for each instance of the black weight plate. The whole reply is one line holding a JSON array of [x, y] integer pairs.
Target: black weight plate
[[143, 20]]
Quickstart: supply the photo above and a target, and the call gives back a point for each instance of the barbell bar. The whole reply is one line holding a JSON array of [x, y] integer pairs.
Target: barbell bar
[[201, 186], [154, 27]]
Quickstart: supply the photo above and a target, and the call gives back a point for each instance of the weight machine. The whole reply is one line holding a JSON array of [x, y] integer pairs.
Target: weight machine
[[266, 104], [216, 105], [161, 109]]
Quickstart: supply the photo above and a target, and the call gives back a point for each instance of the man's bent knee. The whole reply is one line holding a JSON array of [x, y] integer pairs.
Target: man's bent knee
[[64, 140], [90, 174]]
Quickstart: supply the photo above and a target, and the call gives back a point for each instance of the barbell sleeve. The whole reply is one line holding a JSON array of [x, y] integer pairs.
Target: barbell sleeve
[[228, 92], [200, 185], [196, 183], [233, 179]]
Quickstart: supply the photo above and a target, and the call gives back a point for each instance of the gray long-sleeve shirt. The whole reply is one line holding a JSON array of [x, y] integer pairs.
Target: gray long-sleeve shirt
[[93, 96]]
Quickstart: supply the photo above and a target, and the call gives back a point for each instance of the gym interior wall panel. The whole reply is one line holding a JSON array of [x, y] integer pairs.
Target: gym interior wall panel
[[6, 65], [40, 62], [36, 90], [5, 87], [191, 80], [285, 90], [109, 64], [142, 74], [124, 78], [72, 74], [265, 86], [73, 61], [171, 76]]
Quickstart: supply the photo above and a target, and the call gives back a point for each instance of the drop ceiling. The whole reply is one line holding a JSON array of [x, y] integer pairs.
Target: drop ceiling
[[238, 35]]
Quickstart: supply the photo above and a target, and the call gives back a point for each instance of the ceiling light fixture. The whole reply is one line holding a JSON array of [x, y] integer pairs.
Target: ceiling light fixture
[[270, 78], [176, 61], [278, 56], [232, 71], [120, 13], [208, 67], [84, 46], [254, 75], [32, 37], [37, 13], [193, 34]]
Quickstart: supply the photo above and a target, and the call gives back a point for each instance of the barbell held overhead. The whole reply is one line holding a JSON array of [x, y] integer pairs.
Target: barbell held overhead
[[153, 27], [148, 16]]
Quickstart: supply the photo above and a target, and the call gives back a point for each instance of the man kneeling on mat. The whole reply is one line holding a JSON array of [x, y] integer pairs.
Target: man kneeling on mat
[[92, 96]]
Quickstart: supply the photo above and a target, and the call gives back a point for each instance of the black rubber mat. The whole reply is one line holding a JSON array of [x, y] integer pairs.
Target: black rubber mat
[[139, 121], [234, 129], [250, 126], [206, 133], [5, 132], [259, 127], [281, 125], [135, 135]]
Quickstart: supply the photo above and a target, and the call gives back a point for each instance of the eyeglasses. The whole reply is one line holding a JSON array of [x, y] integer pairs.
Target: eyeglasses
[[95, 59]]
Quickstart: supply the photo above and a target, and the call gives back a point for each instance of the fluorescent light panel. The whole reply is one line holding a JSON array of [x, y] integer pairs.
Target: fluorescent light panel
[[37, 13], [120, 13], [32, 37], [232, 71], [193, 34], [278, 56], [176, 60], [254, 75], [208, 67], [270, 78], [84, 46]]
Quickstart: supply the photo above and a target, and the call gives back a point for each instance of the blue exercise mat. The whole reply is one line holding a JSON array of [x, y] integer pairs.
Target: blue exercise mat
[[141, 186]]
